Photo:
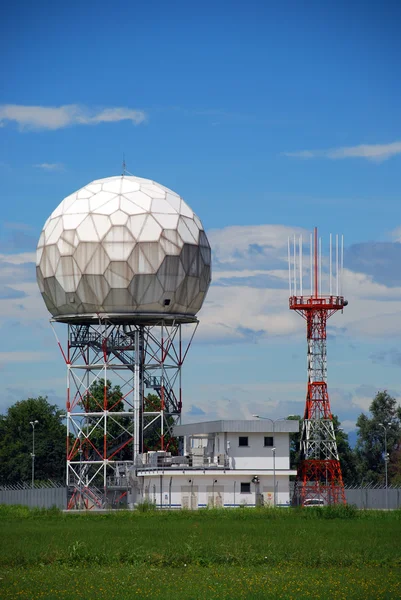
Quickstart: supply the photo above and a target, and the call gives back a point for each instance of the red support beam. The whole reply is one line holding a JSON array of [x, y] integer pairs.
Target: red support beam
[[319, 471]]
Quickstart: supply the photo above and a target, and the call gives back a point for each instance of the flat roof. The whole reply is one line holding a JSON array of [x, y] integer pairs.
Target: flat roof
[[238, 426]]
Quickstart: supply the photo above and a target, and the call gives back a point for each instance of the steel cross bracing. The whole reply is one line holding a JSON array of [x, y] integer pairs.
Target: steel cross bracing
[[105, 434], [319, 472]]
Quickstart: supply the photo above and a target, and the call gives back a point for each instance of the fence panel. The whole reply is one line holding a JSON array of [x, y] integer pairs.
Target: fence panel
[[374, 497], [38, 497]]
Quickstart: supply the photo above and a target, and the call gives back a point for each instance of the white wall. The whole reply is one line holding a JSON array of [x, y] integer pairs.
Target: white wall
[[197, 490], [256, 456]]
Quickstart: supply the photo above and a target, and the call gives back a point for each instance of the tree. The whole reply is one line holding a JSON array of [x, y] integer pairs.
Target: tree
[[295, 441], [345, 452], [94, 400], [394, 467], [371, 439], [16, 442], [152, 434], [117, 426]]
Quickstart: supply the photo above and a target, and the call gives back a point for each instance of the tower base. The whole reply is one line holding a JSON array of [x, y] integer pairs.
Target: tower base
[[319, 480]]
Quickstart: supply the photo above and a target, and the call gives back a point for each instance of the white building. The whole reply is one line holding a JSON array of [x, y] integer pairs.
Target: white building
[[223, 463]]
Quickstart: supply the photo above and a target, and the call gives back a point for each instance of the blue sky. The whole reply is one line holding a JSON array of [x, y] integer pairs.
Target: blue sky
[[266, 117]]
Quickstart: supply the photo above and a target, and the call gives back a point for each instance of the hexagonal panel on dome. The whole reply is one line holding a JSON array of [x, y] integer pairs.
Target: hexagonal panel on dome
[[123, 245]]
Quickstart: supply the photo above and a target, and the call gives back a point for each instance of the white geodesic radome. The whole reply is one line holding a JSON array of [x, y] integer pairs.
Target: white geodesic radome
[[123, 245]]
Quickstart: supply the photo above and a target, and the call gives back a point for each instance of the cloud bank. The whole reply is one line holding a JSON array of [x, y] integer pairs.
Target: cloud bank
[[372, 152], [50, 166], [247, 304], [59, 117]]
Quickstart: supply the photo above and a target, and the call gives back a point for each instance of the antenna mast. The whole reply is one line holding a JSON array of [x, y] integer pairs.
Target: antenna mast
[[319, 471]]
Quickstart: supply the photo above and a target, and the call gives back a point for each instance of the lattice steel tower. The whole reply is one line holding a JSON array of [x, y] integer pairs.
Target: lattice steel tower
[[319, 471], [125, 263]]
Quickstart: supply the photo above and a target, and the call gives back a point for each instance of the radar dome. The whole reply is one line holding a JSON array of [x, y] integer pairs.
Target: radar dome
[[123, 245]]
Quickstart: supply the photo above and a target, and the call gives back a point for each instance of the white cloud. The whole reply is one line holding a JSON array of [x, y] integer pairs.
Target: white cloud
[[18, 258], [16, 226], [242, 307], [242, 313], [235, 313], [396, 234], [251, 242], [373, 152], [23, 357], [58, 117], [243, 400], [50, 166]]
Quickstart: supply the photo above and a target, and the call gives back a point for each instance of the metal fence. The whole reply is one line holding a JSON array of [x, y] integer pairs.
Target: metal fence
[[369, 496], [44, 495], [49, 495], [374, 497]]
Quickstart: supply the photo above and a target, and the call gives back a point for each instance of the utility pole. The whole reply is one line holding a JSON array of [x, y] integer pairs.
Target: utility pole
[[33, 423], [274, 475], [386, 457]]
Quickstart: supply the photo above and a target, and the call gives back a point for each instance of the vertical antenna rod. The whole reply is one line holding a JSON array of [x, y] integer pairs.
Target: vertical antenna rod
[[295, 268], [300, 264], [316, 265], [289, 267], [311, 263], [320, 266], [337, 280], [331, 266], [342, 264]]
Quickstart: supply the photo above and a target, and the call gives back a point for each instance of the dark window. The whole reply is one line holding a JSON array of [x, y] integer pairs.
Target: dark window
[[268, 441], [167, 302], [245, 488], [243, 441]]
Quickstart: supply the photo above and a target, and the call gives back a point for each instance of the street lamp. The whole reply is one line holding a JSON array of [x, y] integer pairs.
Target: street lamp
[[80, 470], [273, 422], [385, 457], [33, 423]]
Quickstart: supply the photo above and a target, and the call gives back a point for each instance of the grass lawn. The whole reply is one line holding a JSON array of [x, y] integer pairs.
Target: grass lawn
[[244, 553]]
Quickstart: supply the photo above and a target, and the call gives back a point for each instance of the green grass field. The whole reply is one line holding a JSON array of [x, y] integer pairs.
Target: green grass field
[[241, 553]]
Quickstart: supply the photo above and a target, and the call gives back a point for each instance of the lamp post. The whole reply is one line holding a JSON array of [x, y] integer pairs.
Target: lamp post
[[385, 458], [274, 474], [80, 471], [33, 423], [273, 422]]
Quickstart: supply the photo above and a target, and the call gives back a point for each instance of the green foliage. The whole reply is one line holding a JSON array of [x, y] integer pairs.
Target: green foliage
[[327, 536], [295, 440], [151, 439], [146, 506], [16, 441], [347, 456], [338, 552], [100, 395], [19, 511], [370, 444], [348, 459], [81, 581], [103, 393]]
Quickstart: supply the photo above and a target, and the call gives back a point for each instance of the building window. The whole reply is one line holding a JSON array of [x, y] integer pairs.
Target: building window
[[245, 488], [243, 440], [268, 441]]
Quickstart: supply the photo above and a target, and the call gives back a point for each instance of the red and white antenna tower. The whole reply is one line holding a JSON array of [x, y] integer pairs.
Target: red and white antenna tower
[[319, 471]]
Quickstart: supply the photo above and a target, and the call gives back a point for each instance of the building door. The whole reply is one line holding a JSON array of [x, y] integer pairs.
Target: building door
[[268, 495], [215, 496], [189, 497]]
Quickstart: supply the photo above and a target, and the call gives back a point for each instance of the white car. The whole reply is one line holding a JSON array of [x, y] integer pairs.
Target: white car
[[314, 502]]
